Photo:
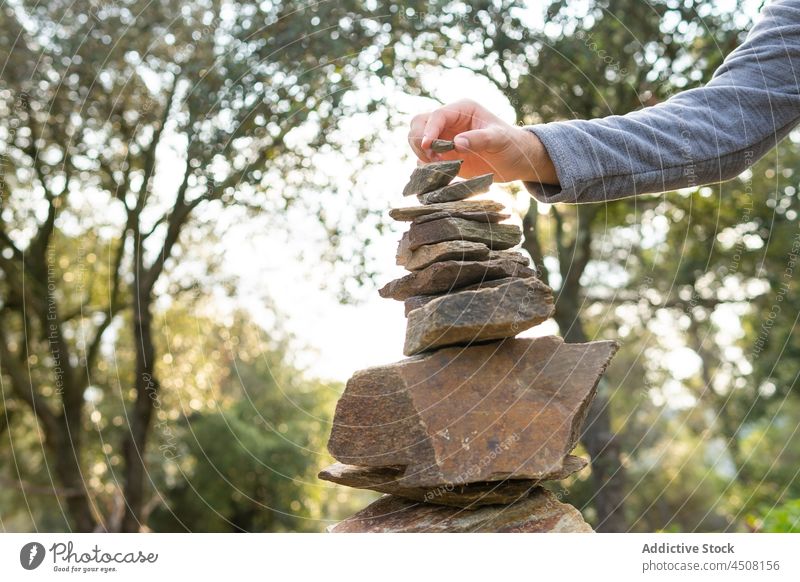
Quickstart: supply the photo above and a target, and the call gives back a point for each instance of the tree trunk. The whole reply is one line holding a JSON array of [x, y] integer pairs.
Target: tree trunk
[[68, 471], [147, 394]]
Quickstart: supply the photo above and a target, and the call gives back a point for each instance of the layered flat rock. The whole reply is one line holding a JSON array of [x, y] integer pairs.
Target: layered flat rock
[[408, 213], [451, 250], [457, 190], [449, 276], [390, 480], [431, 177], [489, 412], [490, 217], [495, 236], [473, 316], [418, 301], [538, 512], [442, 145]]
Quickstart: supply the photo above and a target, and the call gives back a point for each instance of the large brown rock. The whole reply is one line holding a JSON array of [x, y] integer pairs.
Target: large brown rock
[[409, 213], [471, 316], [449, 276], [390, 480], [449, 250], [431, 177], [538, 512], [495, 236], [457, 190], [508, 409]]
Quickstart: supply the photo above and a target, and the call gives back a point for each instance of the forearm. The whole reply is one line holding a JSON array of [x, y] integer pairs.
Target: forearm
[[701, 136]]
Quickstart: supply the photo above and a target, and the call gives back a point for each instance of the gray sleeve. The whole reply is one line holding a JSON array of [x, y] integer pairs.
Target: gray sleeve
[[700, 136]]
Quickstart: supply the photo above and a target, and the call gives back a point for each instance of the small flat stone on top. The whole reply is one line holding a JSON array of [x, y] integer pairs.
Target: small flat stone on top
[[442, 145], [409, 213], [451, 250], [431, 177], [457, 190]]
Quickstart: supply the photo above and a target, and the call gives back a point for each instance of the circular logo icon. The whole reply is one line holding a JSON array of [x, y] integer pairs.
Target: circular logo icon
[[31, 555]]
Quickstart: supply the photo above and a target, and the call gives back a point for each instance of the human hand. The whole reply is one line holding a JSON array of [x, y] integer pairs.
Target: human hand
[[486, 143]]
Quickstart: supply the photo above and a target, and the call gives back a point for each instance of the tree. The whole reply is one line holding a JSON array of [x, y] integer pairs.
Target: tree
[[130, 124]]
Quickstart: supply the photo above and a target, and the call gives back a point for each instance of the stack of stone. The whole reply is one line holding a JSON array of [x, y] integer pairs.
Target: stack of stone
[[461, 434]]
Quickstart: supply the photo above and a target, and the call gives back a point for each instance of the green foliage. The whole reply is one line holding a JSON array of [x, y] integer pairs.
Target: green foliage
[[782, 519]]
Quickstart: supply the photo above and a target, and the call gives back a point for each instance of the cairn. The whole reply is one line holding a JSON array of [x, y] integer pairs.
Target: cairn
[[461, 434]]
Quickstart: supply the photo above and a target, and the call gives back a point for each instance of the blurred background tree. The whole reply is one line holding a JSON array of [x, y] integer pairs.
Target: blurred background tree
[[130, 131]]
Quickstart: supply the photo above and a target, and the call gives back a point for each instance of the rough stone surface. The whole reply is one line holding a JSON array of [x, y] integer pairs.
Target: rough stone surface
[[448, 276], [403, 250], [496, 236], [408, 213], [451, 250], [489, 412], [390, 480], [489, 217], [431, 177], [442, 145], [418, 301], [457, 190], [472, 316], [538, 512]]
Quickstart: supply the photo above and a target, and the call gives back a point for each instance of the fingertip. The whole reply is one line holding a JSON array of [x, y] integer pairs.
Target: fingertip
[[461, 143]]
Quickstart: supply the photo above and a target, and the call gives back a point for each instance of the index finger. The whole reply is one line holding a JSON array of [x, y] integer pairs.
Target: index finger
[[446, 122], [415, 133]]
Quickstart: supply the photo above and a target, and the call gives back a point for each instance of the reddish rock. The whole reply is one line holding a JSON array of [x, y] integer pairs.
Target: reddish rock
[[457, 190], [431, 177], [409, 213], [496, 236], [451, 250], [471, 316], [390, 480], [499, 410], [452, 275], [538, 512]]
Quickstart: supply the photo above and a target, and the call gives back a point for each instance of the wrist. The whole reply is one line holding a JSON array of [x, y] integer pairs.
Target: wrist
[[536, 165]]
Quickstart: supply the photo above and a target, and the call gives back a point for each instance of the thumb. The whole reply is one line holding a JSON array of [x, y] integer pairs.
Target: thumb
[[487, 140]]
